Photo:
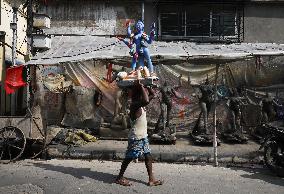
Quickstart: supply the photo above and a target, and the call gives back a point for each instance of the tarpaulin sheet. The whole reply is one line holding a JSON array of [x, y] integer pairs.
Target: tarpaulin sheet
[[57, 83], [81, 75]]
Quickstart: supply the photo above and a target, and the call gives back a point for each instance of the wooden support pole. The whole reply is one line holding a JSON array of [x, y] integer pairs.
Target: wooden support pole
[[215, 119]]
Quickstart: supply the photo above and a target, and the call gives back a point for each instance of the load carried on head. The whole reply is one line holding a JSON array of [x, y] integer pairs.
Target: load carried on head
[[142, 74], [139, 54]]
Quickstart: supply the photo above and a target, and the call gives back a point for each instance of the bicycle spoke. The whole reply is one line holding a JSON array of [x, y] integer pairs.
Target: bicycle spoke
[[1, 154], [17, 140], [12, 143], [15, 146], [4, 130], [11, 133]]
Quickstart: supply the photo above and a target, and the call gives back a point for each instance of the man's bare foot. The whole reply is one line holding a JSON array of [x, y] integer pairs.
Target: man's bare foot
[[123, 182], [155, 183]]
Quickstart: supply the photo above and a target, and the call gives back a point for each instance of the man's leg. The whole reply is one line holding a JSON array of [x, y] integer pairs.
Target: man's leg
[[117, 104], [169, 109], [238, 122], [120, 179], [234, 122], [148, 164], [157, 126], [208, 108], [204, 114], [196, 127]]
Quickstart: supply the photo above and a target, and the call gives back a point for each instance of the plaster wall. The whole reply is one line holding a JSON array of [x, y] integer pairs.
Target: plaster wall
[[264, 23], [91, 17]]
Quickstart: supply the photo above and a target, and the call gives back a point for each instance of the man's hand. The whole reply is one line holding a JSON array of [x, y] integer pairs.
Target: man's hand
[[138, 83]]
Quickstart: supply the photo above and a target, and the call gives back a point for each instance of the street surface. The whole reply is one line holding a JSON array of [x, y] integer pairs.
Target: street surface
[[77, 176]]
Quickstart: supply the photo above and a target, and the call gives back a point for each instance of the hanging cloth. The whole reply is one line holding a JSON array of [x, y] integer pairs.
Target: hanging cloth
[[14, 79]]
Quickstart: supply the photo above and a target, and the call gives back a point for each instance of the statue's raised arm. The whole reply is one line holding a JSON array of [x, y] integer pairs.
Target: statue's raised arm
[[149, 39]]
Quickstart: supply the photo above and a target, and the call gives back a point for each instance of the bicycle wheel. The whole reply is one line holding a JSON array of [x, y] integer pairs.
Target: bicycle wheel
[[12, 144]]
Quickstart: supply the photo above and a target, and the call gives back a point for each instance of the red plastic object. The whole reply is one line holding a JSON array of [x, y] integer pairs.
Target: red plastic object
[[14, 79]]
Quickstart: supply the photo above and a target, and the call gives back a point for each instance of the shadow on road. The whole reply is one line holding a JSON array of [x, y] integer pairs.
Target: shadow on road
[[261, 174], [80, 173]]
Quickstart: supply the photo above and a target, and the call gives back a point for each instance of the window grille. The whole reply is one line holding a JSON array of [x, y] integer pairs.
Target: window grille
[[201, 21]]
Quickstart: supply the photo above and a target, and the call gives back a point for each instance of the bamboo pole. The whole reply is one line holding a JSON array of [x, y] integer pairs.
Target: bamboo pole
[[215, 118]]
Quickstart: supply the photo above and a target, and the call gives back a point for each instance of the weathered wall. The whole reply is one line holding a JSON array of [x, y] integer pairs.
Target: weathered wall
[[2, 50], [6, 19], [90, 17], [150, 15], [17, 99], [52, 104], [264, 23]]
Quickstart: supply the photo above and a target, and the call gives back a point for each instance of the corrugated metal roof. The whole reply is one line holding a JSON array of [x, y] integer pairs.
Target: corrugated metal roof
[[80, 48]]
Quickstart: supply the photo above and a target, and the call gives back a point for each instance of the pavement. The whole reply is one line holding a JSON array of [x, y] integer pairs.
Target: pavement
[[94, 176], [182, 152]]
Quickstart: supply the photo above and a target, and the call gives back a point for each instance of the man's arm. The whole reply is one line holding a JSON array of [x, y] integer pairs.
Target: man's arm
[[179, 83], [176, 94], [275, 103], [145, 98], [135, 106], [250, 100]]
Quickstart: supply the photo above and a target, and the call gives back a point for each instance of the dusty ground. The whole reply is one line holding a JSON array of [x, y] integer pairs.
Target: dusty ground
[[77, 176]]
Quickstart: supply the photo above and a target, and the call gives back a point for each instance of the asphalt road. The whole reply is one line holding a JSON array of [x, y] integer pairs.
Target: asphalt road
[[77, 176]]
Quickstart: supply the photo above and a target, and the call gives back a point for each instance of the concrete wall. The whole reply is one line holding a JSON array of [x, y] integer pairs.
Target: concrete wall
[[263, 20], [90, 17], [264, 23]]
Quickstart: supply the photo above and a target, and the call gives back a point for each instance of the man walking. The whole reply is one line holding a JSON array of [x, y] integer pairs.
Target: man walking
[[138, 143]]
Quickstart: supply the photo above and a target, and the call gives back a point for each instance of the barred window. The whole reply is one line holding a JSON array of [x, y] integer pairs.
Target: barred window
[[201, 21]]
